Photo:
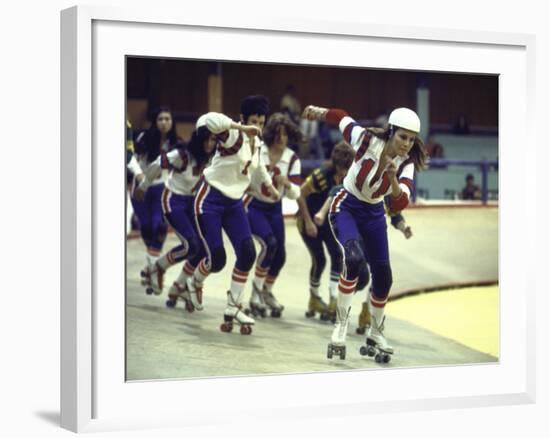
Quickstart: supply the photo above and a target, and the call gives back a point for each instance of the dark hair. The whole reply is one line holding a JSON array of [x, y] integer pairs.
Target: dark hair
[[149, 142], [196, 145], [256, 104], [342, 155], [271, 130], [469, 177], [418, 154]]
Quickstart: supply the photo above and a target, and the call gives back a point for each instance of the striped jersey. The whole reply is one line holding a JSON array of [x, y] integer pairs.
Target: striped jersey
[[184, 174], [289, 165], [361, 180], [234, 163]]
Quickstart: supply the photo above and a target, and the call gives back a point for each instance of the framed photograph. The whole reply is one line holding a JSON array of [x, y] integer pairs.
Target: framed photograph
[[134, 356]]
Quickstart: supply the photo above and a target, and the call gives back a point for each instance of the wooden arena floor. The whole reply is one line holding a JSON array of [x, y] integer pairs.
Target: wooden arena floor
[[449, 246]]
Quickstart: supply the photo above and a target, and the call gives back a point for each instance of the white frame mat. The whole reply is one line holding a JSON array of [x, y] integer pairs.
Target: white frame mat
[[94, 42]]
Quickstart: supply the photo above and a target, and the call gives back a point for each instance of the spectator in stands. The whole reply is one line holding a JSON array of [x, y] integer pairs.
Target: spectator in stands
[[470, 190], [435, 150], [461, 125]]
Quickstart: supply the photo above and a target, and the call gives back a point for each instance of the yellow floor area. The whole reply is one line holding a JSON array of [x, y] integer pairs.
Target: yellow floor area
[[469, 316]]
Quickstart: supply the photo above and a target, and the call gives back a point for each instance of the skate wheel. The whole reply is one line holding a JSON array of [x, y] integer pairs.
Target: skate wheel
[[329, 352], [246, 329], [226, 327], [189, 307], [170, 303], [342, 354], [324, 317], [360, 330], [378, 358], [149, 291], [371, 351], [275, 313], [309, 314], [387, 358], [363, 350]]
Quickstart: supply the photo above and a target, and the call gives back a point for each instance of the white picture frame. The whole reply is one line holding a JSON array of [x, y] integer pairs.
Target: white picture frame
[[94, 396]]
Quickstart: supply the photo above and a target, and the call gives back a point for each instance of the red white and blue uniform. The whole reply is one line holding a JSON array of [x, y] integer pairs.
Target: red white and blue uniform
[[357, 210], [265, 214], [177, 203], [218, 204]]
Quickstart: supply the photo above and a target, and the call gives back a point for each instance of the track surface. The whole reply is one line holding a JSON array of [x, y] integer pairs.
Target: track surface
[[449, 246]]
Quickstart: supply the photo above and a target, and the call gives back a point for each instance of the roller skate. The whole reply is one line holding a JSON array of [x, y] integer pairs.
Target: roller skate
[[179, 292], [156, 280], [272, 303], [257, 304], [364, 320], [338, 340], [145, 277], [330, 314], [316, 305], [192, 295], [234, 314], [376, 344]]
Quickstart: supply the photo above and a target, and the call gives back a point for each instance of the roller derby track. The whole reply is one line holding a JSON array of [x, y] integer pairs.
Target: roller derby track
[[449, 247]]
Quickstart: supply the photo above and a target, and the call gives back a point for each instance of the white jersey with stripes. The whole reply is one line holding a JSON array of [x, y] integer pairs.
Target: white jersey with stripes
[[184, 175], [234, 162], [361, 180]]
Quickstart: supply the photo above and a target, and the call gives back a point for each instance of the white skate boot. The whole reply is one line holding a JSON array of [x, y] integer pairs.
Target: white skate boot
[[234, 313], [338, 340], [193, 295], [272, 303], [177, 292], [257, 304], [377, 345], [156, 280]]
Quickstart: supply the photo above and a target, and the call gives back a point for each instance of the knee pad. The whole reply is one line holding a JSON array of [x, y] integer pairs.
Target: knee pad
[[162, 230], [364, 276], [217, 259], [354, 257], [246, 255], [270, 250], [278, 262], [381, 280], [194, 247], [146, 231]]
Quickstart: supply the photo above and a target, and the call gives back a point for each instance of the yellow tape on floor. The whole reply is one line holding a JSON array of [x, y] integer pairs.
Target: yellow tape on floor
[[469, 316]]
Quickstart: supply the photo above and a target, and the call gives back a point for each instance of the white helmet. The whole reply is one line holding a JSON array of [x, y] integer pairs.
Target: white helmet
[[405, 118]]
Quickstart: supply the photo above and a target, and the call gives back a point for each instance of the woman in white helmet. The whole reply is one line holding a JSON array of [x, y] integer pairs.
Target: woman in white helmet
[[385, 161]]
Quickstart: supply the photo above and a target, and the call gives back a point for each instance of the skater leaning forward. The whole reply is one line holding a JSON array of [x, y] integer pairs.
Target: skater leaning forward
[[186, 164], [219, 204], [265, 214], [385, 161]]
